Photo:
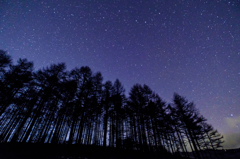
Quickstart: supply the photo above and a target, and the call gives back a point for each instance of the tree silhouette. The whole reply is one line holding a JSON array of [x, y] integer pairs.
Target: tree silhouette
[[15, 79], [138, 101], [83, 77], [119, 101], [186, 112], [96, 107], [46, 82], [5, 61], [56, 106], [107, 102]]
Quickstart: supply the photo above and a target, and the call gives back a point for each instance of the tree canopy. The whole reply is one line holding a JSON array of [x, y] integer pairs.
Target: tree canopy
[[52, 105]]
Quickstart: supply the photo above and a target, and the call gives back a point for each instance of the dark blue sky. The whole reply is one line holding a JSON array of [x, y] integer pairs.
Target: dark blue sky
[[191, 47]]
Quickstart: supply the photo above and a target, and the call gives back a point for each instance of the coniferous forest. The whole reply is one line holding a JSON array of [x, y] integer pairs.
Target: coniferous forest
[[56, 106]]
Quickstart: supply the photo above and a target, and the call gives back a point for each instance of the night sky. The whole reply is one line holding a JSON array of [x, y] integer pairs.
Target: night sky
[[191, 47]]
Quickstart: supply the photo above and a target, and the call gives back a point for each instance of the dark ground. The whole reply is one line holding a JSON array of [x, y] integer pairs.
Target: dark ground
[[50, 151], [231, 154], [220, 154]]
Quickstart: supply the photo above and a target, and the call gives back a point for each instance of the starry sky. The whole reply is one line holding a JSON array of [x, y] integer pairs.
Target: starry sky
[[191, 47]]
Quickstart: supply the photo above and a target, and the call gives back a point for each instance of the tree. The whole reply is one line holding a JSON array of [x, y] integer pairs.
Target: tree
[[187, 115], [107, 102], [46, 82], [83, 77], [52, 105], [96, 106], [118, 99], [212, 138], [138, 101], [14, 82], [68, 90], [5, 61]]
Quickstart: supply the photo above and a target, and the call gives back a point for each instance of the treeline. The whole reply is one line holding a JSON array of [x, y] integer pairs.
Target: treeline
[[53, 105]]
